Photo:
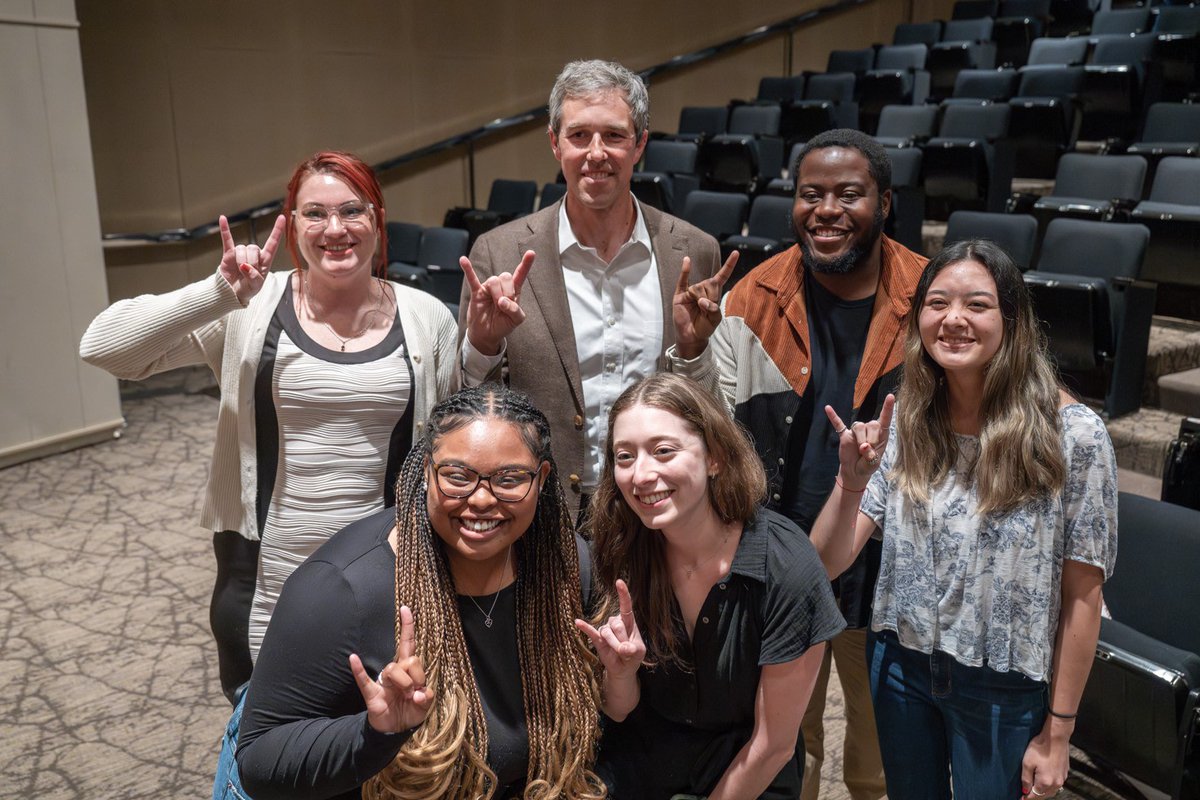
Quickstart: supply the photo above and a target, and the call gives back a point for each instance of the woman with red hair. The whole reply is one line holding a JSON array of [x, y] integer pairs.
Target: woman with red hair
[[327, 372]]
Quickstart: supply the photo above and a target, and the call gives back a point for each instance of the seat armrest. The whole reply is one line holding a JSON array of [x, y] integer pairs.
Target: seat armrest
[[1021, 202]]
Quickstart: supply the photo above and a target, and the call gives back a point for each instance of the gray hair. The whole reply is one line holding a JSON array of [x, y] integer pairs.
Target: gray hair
[[585, 79]]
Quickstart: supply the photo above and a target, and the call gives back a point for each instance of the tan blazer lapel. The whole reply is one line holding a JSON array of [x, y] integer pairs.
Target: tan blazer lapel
[[669, 250], [550, 297]]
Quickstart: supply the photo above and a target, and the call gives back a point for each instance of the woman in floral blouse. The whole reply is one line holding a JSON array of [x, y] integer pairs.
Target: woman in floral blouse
[[994, 492]]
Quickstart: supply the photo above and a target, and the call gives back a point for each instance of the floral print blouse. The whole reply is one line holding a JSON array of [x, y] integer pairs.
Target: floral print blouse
[[987, 589]]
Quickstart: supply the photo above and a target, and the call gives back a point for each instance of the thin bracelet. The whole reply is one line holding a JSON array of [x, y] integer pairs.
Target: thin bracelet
[[852, 491], [1054, 713]]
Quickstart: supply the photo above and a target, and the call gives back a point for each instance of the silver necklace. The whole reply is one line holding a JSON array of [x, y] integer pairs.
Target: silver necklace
[[720, 548], [367, 319], [487, 615]]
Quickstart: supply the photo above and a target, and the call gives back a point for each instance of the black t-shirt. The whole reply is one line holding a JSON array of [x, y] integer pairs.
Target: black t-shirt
[[837, 334], [690, 723], [304, 731]]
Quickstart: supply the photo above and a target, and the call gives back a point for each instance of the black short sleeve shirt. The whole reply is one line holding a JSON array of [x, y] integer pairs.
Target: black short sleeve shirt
[[773, 605]]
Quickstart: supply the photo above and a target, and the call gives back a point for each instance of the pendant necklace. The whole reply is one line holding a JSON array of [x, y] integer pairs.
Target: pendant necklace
[[370, 314], [692, 569], [487, 615]]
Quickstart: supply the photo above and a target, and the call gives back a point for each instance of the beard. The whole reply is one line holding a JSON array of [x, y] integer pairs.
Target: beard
[[854, 255]]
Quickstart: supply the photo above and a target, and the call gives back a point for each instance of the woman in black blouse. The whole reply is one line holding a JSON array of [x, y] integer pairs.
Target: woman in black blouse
[[708, 683], [429, 651]]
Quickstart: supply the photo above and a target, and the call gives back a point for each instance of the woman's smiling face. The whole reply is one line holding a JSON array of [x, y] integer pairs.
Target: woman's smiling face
[[479, 527], [662, 467]]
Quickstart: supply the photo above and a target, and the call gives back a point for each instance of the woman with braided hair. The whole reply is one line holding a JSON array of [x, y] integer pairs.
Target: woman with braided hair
[[429, 651]]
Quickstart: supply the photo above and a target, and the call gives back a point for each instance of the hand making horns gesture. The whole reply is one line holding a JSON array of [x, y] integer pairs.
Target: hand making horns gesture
[[618, 642], [696, 308], [399, 700], [861, 445], [494, 309], [245, 266]]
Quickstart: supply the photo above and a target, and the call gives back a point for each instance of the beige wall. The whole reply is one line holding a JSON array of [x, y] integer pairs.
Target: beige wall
[[53, 272], [204, 107]]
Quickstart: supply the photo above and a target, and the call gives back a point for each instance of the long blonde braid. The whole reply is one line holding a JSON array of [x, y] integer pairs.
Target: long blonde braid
[[446, 755]]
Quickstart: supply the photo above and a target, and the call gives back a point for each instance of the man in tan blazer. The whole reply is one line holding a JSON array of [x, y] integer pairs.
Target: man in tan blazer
[[581, 299]]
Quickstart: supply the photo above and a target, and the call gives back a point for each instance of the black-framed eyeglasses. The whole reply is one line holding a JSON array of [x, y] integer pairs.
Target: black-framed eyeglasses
[[506, 485]]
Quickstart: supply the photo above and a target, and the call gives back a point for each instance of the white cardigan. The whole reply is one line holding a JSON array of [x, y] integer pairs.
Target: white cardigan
[[203, 323]]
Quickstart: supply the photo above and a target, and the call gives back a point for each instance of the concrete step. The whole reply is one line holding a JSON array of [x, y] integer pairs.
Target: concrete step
[[1180, 392]]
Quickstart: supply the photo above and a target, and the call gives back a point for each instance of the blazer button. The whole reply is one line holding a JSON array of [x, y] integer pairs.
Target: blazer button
[[578, 422], [804, 370]]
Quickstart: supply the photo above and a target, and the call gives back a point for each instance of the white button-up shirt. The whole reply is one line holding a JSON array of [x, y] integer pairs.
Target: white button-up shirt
[[617, 314]]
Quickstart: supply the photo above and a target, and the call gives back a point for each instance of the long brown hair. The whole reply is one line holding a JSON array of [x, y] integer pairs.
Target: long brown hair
[[625, 548], [446, 756], [1020, 443]]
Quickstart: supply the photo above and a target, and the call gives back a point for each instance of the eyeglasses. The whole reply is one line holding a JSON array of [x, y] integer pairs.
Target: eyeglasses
[[506, 485], [352, 215]]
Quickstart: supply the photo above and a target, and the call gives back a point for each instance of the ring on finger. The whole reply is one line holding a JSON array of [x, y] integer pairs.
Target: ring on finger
[[840, 432]]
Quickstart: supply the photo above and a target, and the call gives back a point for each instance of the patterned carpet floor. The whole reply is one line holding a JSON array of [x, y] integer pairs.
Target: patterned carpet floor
[[108, 678]]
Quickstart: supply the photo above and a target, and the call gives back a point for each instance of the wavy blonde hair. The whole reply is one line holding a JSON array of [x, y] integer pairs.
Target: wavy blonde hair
[[446, 755], [1020, 443]]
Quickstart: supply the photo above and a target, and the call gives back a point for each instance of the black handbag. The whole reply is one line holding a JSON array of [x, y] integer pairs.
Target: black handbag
[[1181, 473]]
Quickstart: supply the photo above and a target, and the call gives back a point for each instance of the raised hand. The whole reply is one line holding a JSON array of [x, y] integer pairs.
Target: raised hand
[[494, 309], [399, 700], [861, 445], [696, 308], [618, 642], [245, 266]]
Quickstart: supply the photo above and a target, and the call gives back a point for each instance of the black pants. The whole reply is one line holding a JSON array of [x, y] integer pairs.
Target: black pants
[[229, 613]]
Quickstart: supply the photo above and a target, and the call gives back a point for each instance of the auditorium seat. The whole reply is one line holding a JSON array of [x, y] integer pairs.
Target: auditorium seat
[[1140, 709], [904, 220], [966, 44], [746, 157], [551, 193], [1095, 310], [961, 168], [1172, 213], [403, 253], [1094, 187], [440, 250], [899, 76], [856, 62], [1019, 23], [974, 9], [1044, 121], [1125, 21], [719, 214], [828, 103], [926, 33], [668, 174], [780, 89], [905, 126], [1016, 233], [1111, 96], [508, 200], [993, 85], [768, 232]]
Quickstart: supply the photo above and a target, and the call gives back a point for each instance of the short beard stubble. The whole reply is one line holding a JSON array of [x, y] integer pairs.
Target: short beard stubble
[[849, 260]]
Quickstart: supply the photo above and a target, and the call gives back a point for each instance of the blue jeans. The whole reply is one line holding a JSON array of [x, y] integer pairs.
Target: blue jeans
[[941, 722], [227, 785]]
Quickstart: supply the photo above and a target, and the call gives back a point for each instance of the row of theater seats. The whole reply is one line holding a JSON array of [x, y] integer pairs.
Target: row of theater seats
[[1116, 71], [427, 259]]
